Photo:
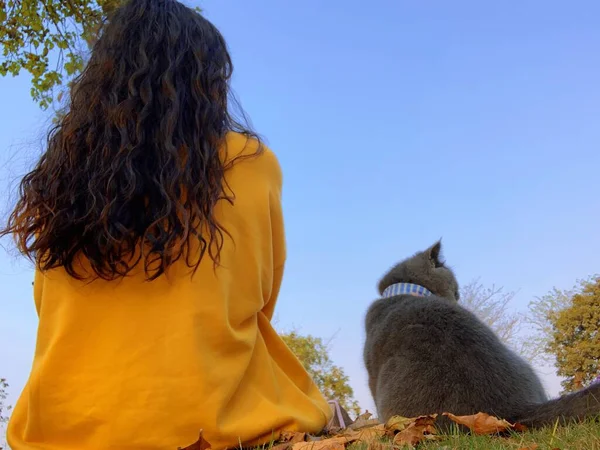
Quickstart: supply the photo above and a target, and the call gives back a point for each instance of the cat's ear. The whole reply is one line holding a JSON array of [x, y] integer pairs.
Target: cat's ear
[[434, 254]]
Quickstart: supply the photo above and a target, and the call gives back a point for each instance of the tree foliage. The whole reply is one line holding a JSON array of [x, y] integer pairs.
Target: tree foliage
[[541, 311], [4, 409], [539, 321], [331, 379], [492, 306], [49, 39], [575, 337], [3, 396]]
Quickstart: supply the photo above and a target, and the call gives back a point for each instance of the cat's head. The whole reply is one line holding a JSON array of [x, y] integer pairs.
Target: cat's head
[[426, 269]]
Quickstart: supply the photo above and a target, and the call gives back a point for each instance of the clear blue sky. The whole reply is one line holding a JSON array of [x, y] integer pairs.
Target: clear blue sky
[[395, 123]]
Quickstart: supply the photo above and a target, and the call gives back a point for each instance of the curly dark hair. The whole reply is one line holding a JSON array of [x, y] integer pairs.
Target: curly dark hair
[[133, 171]]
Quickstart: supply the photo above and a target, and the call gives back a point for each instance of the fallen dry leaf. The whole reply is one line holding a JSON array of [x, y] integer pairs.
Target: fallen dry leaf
[[363, 421], [200, 444], [482, 423], [283, 446], [365, 435], [531, 447], [412, 437], [398, 423], [519, 427], [372, 434], [335, 443], [287, 439], [292, 437], [420, 429]]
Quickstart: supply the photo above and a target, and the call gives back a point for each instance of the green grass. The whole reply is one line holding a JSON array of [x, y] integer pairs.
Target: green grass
[[584, 436]]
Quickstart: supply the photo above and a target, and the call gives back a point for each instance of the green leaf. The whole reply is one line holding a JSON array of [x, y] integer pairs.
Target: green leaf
[[33, 33], [574, 338], [329, 378]]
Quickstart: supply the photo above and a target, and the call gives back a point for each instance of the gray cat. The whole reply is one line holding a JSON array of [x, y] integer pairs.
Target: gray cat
[[426, 354]]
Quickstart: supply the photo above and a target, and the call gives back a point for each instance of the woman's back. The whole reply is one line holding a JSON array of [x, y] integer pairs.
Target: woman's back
[[141, 364], [154, 220]]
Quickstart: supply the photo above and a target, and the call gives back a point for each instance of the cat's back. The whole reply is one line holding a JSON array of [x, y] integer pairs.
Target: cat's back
[[421, 350], [418, 329], [428, 326], [388, 318]]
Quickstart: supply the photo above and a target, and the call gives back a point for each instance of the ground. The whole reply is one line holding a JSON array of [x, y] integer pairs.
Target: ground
[[576, 437], [421, 434]]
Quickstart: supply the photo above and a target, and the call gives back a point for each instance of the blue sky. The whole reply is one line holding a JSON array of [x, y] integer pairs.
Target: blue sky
[[395, 123]]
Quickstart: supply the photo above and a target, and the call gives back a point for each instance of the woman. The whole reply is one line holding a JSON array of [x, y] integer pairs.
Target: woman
[[155, 223]]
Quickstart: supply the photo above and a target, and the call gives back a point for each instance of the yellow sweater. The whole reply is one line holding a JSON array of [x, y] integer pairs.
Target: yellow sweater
[[132, 364]]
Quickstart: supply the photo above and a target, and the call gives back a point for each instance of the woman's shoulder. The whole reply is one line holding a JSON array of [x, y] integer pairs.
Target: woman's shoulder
[[247, 149], [240, 144]]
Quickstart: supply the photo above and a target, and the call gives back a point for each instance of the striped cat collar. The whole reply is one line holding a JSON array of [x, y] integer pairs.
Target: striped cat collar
[[406, 289]]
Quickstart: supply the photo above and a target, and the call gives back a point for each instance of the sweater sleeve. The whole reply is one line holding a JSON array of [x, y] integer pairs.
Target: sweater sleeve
[[278, 234], [38, 287], [269, 308]]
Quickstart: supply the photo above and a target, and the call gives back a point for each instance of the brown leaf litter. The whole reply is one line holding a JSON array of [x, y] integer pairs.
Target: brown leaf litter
[[482, 423], [201, 444], [401, 431]]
